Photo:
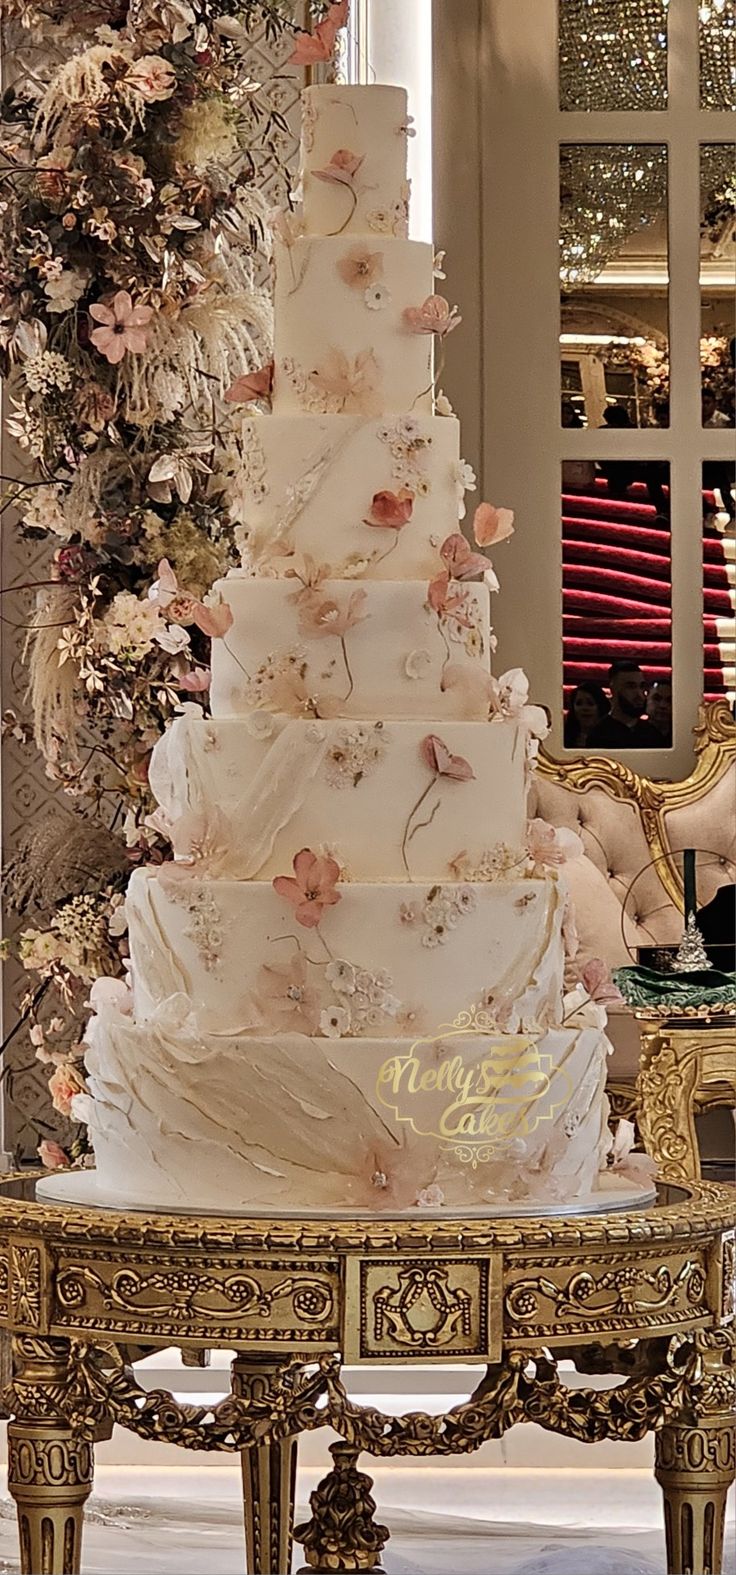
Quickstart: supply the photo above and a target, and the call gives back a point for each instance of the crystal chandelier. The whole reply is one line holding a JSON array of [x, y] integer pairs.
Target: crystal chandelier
[[613, 54], [718, 54], [608, 192]]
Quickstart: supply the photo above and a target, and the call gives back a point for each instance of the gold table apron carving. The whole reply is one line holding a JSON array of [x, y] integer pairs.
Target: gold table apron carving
[[647, 1295]]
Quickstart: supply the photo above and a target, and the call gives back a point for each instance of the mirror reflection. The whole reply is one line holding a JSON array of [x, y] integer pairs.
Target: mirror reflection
[[614, 281], [617, 599], [611, 56], [717, 282], [719, 583]]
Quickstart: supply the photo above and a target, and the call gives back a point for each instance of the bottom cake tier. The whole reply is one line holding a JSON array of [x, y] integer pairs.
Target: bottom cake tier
[[180, 1119]]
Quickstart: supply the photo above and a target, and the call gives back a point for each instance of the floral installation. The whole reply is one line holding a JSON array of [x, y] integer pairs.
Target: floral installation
[[444, 767], [440, 913], [133, 235], [354, 754]]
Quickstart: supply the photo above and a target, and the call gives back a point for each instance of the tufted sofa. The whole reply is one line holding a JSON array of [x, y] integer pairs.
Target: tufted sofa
[[627, 889]]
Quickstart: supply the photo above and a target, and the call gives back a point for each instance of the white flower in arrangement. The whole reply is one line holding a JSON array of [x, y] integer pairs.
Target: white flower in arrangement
[[172, 638], [43, 511], [47, 370], [377, 297], [465, 481], [334, 1022], [64, 290], [129, 626]]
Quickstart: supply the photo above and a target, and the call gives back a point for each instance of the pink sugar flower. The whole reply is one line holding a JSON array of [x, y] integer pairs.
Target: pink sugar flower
[[461, 563], [597, 981], [341, 169], [439, 758], [122, 328], [252, 386], [391, 510], [448, 603], [551, 846], [313, 48], [52, 1155], [322, 616], [492, 525], [312, 887], [434, 316]]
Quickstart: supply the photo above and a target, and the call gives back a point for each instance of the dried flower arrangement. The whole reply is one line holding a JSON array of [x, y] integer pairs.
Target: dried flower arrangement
[[135, 147]]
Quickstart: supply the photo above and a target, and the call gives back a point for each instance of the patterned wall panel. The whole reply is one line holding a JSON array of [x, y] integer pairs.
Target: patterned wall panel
[[28, 797]]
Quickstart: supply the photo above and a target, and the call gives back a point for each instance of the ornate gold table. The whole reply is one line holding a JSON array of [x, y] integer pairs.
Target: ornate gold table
[[685, 1067], [647, 1295]]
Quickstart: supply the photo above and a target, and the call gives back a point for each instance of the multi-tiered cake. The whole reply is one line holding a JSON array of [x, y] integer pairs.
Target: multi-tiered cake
[[347, 987]]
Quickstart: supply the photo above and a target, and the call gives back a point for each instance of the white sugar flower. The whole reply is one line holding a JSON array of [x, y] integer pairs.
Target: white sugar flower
[[334, 1022], [465, 481], [260, 724], [442, 406], [341, 975], [417, 664], [377, 297]]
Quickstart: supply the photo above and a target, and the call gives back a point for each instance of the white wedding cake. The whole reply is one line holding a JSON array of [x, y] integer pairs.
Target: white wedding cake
[[346, 988]]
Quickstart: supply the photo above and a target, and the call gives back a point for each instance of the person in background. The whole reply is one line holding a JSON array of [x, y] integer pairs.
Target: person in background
[[712, 416], [587, 706], [659, 709], [625, 727], [620, 474]]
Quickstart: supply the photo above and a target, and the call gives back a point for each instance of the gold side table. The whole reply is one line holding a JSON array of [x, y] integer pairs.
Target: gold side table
[[685, 1068], [648, 1295]]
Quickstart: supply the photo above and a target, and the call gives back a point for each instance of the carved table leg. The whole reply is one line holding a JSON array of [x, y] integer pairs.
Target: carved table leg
[[49, 1469], [696, 1464], [343, 1534], [269, 1480]]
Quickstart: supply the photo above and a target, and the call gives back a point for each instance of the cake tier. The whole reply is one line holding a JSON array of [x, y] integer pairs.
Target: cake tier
[[180, 1118], [371, 124], [386, 958], [341, 346], [310, 483], [242, 797], [377, 650]]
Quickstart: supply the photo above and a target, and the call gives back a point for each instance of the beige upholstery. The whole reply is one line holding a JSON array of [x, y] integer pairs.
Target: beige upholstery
[[626, 823]]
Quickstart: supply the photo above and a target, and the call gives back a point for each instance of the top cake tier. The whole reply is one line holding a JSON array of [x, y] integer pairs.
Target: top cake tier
[[354, 160]]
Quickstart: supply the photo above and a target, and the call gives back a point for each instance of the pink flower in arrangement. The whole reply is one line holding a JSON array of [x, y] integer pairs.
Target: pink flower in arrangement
[[459, 560], [52, 1155], [435, 316], [152, 78], [391, 510], [180, 607], [122, 328], [341, 169], [252, 386], [360, 268], [195, 682], [313, 48], [63, 1085], [439, 758], [596, 979], [492, 525], [322, 616], [312, 887]]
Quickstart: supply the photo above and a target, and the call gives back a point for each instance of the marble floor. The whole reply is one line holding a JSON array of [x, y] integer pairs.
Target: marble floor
[[186, 1521]]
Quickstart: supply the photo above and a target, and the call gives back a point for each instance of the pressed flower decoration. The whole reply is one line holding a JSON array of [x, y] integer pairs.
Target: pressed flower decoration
[[437, 319], [444, 767], [133, 230], [343, 170], [311, 889]]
